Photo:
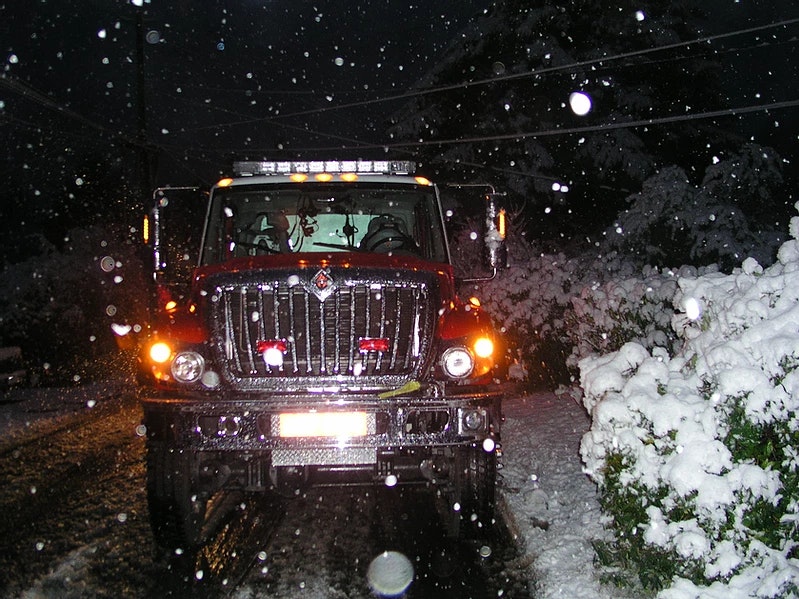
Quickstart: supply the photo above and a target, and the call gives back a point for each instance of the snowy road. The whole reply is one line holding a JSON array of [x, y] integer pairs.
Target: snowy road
[[71, 494], [75, 522]]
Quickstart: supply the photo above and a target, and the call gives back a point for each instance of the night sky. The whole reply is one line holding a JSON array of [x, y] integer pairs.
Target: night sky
[[208, 81], [214, 73]]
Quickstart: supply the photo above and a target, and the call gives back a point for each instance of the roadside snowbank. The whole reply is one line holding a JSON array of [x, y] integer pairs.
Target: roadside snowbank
[[551, 505]]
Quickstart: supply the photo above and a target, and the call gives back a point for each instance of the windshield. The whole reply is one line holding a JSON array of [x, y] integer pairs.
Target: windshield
[[262, 220]]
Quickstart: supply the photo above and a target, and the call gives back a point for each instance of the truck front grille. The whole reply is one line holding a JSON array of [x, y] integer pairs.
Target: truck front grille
[[323, 336]]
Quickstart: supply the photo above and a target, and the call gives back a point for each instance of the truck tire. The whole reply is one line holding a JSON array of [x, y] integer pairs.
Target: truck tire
[[177, 509], [474, 490]]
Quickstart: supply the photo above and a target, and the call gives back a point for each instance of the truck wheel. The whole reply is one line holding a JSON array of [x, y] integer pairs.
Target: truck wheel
[[474, 485], [177, 509]]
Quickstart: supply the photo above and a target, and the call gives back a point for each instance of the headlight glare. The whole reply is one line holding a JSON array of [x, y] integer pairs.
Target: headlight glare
[[484, 347], [457, 362], [188, 366], [160, 352]]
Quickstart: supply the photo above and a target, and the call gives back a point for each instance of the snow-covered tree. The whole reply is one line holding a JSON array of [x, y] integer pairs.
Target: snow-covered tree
[[732, 215], [511, 75], [59, 306]]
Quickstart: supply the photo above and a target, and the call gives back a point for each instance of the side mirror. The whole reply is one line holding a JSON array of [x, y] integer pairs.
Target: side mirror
[[172, 229], [496, 249]]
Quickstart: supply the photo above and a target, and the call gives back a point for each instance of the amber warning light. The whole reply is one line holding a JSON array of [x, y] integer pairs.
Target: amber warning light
[[145, 229]]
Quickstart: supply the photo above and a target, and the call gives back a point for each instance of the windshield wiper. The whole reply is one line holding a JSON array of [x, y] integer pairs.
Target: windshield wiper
[[338, 246]]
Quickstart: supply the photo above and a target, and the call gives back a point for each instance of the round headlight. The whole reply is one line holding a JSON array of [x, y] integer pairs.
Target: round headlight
[[188, 366], [457, 362]]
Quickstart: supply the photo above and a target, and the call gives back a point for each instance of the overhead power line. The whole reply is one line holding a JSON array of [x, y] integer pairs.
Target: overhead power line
[[509, 77], [553, 132], [27, 91], [608, 126]]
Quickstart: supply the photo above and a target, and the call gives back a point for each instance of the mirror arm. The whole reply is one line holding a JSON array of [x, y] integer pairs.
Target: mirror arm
[[159, 265], [494, 272]]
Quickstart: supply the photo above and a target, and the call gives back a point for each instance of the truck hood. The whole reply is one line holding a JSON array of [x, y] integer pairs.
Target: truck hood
[[300, 262]]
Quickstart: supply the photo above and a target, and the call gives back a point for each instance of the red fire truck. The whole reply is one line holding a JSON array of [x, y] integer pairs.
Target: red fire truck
[[320, 339]]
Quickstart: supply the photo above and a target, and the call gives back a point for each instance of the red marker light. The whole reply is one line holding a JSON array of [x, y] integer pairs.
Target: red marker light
[[278, 344], [272, 351], [367, 344]]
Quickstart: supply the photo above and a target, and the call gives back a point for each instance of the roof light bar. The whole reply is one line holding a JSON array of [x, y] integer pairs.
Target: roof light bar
[[250, 168]]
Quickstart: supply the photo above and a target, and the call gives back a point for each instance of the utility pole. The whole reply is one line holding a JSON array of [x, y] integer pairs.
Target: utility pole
[[147, 157]]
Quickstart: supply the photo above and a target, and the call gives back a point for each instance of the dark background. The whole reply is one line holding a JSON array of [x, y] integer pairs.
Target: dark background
[[100, 101], [91, 91]]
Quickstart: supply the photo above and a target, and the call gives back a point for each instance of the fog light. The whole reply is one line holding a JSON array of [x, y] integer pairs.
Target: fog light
[[187, 367], [472, 420], [457, 362], [210, 379]]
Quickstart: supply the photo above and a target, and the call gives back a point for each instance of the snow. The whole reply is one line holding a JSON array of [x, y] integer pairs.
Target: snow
[[551, 504], [710, 427], [25, 410], [734, 349]]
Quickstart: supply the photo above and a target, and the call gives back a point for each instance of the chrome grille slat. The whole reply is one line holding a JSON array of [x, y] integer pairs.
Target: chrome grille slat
[[352, 341], [307, 333], [396, 333], [322, 335], [382, 333], [292, 328], [336, 318], [322, 339], [246, 317]]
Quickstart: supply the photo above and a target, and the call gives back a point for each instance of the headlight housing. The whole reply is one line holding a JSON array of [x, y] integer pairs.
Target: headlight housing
[[457, 362], [188, 366]]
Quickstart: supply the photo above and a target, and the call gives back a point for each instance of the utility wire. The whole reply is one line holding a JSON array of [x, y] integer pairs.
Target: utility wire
[[27, 91], [509, 77], [33, 94], [553, 132]]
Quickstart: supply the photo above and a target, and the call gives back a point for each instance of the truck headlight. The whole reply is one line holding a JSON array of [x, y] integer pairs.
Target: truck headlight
[[188, 366], [457, 362]]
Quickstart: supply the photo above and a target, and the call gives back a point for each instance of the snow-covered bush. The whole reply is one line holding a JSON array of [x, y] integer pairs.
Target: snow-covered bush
[[555, 309], [695, 450], [602, 318], [60, 305]]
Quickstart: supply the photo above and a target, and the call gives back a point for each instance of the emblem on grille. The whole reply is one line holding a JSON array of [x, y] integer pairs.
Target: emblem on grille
[[322, 284]]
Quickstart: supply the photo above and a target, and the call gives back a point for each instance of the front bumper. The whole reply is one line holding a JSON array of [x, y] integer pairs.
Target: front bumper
[[258, 425]]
